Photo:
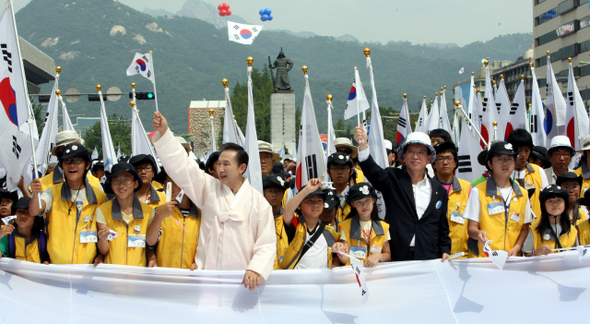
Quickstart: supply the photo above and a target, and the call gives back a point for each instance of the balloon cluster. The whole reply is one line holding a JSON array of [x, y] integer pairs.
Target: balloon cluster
[[224, 9], [265, 14]]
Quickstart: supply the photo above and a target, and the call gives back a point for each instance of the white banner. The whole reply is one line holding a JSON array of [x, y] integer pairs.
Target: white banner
[[460, 291]]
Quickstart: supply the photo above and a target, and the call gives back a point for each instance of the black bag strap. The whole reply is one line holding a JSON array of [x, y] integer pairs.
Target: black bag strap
[[312, 240]]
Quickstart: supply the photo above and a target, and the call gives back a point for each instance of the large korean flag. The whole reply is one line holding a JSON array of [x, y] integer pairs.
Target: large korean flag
[[15, 146]]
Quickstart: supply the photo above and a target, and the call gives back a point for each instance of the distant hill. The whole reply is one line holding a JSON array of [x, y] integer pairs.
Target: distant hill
[[94, 42]]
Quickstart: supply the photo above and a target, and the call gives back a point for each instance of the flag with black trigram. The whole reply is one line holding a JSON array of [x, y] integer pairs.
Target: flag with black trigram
[[468, 168], [403, 129], [242, 33], [518, 118], [15, 146]]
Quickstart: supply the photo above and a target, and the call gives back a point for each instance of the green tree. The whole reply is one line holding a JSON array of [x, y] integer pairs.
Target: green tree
[[120, 133], [262, 88]]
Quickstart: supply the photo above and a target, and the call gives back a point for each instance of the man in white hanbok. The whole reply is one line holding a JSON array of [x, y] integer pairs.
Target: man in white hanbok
[[237, 224]]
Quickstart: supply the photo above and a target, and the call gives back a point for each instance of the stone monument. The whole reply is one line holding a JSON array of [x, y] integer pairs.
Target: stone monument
[[282, 105]]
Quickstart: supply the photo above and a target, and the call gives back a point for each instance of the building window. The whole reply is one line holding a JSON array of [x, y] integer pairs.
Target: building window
[[547, 16], [544, 39], [565, 6]]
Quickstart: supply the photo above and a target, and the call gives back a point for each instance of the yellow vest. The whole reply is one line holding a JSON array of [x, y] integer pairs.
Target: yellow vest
[[282, 239], [119, 252], [53, 178], [293, 252], [26, 252], [581, 171], [64, 227], [567, 240], [360, 176], [584, 232], [457, 203], [352, 228], [176, 247], [503, 232], [157, 198], [342, 213], [532, 179]]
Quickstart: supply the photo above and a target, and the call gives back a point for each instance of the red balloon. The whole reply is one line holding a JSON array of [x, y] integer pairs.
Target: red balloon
[[220, 7], [228, 12], [225, 6], [223, 13]]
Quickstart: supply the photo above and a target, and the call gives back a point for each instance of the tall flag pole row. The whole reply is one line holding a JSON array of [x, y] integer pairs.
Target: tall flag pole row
[[251, 142]]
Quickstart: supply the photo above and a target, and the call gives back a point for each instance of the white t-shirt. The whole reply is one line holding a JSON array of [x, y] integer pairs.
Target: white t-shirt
[[78, 196], [366, 227], [316, 256]]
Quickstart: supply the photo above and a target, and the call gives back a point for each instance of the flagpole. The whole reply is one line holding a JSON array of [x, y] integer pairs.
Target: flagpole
[[211, 119], [458, 105], [29, 107], [358, 109], [153, 83]]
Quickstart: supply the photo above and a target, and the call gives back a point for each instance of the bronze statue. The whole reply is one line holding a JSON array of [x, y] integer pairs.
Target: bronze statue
[[283, 66]]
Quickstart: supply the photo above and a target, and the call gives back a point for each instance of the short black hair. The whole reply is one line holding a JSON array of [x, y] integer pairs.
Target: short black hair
[[439, 132], [520, 138], [241, 154]]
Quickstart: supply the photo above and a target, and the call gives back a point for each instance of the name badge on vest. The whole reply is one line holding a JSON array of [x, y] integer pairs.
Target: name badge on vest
[[87, 236], [495, 208], [458, 218], [358, 252], [515, 217], [136, 240]]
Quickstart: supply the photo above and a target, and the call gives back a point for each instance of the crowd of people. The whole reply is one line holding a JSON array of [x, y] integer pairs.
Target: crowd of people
[[184, 214]]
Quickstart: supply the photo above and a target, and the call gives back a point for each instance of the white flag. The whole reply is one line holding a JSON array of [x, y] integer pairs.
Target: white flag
[[434, 117], [518, 118], [469, 168], [537, 125], [576, 116], [421, 125], [444, 114], [376, 138], [66, 121], [472, 113], [497, 257], [142, 64], [488, 112], [357, 268], [94, 154], [456, 129], [462, 70], [331, 135], [310, 154], [357, 100], [15, 148], [403, 123], [242, 33], [555, 103], [47, 140], [230, 129], [251, 143], [108, 149], [140, 142], [503, 109]]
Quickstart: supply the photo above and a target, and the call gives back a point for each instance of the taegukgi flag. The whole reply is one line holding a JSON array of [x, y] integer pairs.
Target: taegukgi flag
[[242, 33], [142, 64]]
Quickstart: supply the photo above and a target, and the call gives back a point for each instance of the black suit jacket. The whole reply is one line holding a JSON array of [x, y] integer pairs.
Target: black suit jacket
[[432, 230]]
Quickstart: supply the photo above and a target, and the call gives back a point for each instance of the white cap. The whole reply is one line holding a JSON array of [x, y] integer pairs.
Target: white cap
[[560, 141], [418, 138]]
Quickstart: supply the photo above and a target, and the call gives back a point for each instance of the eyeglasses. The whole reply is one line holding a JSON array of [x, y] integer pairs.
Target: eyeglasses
[[146, 169], [563, 155], [73, 161], [572, 187], [449, 159], [503, 160], [339, 169], [123, 181], [418, 154]]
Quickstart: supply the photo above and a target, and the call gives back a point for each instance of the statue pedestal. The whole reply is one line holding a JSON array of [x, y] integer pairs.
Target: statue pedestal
[[282, 121]]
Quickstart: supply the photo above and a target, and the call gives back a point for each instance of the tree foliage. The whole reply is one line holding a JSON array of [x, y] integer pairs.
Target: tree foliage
[[120, 133]]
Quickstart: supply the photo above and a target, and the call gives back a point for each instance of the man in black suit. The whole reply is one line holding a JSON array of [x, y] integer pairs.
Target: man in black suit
[[416, 205]]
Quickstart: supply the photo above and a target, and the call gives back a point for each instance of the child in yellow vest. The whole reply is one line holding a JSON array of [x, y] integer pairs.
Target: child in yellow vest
[[311, 245], [366, 236], [274, 187], [69, 209], [173, 233], [498, 209], [572, 184], [555, 229], [24, 239], [123, 222]]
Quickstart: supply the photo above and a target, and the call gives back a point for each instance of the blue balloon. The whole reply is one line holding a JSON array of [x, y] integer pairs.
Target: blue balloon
[[264, 17], [267, 11], [261, 12], [270, 17]]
